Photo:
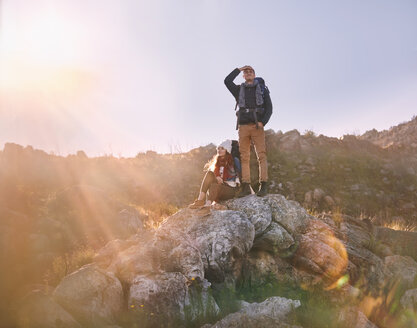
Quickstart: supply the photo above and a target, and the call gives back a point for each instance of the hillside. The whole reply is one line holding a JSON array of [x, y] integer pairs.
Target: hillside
[[360, 176], [56, 211]]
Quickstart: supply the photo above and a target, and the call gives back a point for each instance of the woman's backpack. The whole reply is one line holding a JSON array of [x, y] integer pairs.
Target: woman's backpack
[[235, 149], [236, 157]]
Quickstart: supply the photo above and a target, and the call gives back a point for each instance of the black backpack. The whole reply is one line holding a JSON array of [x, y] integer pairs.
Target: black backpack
[[235, 149], [264, 90], [236, 154]]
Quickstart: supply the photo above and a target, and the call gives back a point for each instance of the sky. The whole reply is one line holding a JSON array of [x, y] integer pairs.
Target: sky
[[122, 77]]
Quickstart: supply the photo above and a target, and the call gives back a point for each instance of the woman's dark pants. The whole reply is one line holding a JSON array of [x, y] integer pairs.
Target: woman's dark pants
[[216, 191]]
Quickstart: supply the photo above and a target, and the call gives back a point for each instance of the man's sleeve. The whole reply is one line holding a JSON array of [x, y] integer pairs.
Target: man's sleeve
[[268, 108], [233, 88]]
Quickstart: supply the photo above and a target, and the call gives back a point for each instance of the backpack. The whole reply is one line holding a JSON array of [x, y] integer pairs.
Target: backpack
[[264, 90], [236, 156], [235, 149]]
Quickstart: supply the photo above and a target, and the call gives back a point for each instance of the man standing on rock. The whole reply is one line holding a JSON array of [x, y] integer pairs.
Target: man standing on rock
[[255, 109]]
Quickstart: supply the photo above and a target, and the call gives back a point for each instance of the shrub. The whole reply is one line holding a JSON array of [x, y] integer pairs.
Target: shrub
[[69, 262]]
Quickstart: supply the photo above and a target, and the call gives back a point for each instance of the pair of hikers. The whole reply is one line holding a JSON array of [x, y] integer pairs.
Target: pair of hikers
[[221, 181]]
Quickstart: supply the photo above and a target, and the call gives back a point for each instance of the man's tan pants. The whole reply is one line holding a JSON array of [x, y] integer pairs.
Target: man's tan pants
[[247, 133]]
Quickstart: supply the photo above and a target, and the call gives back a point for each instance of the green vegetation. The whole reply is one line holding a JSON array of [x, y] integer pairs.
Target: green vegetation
[[317, 309]]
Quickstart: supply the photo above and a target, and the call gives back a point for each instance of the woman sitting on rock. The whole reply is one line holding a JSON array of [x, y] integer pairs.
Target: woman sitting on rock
[[221, 180]]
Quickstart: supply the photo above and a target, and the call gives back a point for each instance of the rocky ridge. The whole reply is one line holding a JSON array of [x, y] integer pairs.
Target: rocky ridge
[[199, 266], [402, 136]]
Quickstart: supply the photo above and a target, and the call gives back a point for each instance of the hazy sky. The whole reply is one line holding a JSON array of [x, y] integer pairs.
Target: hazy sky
[[126, 76]]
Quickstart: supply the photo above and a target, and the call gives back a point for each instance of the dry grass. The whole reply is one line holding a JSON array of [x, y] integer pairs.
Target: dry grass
[[402, 225], [67, 263], [337, 216]]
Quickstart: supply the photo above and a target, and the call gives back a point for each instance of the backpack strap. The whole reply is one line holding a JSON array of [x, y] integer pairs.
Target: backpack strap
[[238, 116]]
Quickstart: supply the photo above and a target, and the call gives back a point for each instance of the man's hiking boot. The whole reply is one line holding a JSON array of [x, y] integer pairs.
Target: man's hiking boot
[[197, 204], [263, 189], [244, 190]]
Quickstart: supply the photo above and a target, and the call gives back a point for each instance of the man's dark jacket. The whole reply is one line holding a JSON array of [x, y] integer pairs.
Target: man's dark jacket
[[235, 90]]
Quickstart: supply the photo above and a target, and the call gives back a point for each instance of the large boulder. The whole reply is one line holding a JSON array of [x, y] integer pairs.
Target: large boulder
[[165, 250], [38, 309], [137, 259], [91, 295], [288, 213], [363, 251], [275, 239], [105, 256], [277, 221], [261, 268], [177, 252], [257, 210], [404, 268], [170, 299], [257, 242], [129, 258], [355, 231], [273, 312], [366, 269], [321, 252], [222, 237]]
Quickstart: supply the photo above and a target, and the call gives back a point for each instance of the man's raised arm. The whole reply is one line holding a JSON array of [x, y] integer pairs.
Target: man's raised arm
[[233, 88]]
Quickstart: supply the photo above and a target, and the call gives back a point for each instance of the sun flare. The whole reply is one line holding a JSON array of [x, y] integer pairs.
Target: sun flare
[[40, 52], [45, 37]]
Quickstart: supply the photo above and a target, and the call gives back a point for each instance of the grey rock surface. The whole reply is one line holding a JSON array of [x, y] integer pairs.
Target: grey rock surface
[[170, 299], [352, 317], [91, 295], [404, 268], [275, 307], [168, 273], [177, 252], [288, 213], [275, 239], [222, 237], [257, 210], [273, 312], [409, 300]]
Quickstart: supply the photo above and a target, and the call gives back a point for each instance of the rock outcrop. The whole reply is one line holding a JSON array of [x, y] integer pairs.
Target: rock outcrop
[[401, 136], [176, 275]]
